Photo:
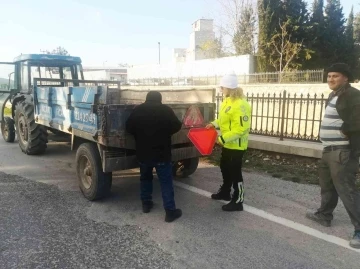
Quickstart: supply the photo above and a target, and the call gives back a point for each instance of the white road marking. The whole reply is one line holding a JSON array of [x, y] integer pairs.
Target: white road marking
[[282, 221]]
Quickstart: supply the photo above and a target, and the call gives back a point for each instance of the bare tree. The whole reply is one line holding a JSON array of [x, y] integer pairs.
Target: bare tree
[[57, 51], [125, 65], [244, 38], [238, 25], [284, 52], [212, 48]]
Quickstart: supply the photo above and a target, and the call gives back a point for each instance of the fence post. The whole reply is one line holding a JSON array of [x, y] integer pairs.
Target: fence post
[[283, 116], [213, 97], [217, 105]]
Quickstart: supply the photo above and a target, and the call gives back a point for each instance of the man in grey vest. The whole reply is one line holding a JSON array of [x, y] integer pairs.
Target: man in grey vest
[[340, 136]]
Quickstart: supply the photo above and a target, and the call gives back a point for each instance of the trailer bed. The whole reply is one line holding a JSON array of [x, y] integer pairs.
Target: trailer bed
[[99, 113]]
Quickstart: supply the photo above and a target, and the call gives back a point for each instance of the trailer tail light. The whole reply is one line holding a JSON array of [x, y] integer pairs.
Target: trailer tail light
[[203, 139], [193, 117]]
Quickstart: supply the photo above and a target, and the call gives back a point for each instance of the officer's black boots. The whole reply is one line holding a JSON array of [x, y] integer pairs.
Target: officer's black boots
[[233, 206], [222, 194], [236, 203]]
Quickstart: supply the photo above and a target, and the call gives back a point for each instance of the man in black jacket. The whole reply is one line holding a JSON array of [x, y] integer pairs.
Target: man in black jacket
[[340, 136], [152, 124]]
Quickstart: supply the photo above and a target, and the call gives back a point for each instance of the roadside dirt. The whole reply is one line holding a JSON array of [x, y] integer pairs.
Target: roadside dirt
[[303, 170]]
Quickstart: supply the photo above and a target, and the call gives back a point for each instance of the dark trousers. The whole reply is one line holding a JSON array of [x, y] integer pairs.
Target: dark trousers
[[164, 173], [231, 169], [337, 171]]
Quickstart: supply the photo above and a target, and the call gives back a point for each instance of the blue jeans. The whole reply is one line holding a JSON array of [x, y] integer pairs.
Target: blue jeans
[[164, 173]]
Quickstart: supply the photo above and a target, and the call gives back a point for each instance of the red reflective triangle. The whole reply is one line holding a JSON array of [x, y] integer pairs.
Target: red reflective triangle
[[193, 117], [203, 139]]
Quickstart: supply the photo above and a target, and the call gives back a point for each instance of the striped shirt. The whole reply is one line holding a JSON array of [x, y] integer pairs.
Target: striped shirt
[[330, 134]]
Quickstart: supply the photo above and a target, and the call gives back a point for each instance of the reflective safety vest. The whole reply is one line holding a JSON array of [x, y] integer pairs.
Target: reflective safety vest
[[234, 122]]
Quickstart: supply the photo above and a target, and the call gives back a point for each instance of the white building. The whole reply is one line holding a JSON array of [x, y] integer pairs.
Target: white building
[[180, 55], [202, 33], [105, 73], [192, 62], [241, 65]]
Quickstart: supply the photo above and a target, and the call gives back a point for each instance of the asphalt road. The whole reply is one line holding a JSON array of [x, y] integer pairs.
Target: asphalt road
[[46, 223]]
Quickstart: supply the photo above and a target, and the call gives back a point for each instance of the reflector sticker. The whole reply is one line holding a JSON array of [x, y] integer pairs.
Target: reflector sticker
[[193, 117]]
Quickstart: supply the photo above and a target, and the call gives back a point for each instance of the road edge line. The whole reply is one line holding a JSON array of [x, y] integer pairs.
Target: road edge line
[[279, 220]]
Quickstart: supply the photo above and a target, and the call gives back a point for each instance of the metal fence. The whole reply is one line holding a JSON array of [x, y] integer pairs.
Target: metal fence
[[285, 116], [308, 76]]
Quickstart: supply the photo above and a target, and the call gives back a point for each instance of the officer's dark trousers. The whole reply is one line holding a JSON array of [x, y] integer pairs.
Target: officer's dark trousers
[[231, 169], [337, 170]]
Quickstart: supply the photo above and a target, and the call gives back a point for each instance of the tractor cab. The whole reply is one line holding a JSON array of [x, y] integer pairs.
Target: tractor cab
[[17, 77], [45, 66]]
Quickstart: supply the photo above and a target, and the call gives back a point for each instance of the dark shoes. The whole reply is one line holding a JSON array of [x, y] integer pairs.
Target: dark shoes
[[172, 215], [221, 195], [147, 206], [319, 218], [355, 241], [233, 206]]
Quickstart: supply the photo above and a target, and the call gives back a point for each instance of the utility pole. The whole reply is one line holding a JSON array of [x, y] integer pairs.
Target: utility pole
[[159, 52]]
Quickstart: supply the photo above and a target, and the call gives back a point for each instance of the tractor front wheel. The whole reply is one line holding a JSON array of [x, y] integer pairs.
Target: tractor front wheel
[[8, 129], [32, 136]]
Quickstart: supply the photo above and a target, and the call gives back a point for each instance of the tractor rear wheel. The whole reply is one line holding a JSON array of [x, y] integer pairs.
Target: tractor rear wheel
[[93, 182]]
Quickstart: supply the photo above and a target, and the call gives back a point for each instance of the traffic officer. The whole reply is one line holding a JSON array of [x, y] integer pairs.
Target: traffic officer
[[234, 122]]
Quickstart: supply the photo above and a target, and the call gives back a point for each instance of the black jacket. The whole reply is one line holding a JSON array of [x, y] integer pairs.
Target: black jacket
[[152, 124], [348, 107]]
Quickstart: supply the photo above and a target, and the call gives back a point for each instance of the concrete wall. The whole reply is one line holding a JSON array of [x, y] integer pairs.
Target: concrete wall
[[288, 146], [243, 64]]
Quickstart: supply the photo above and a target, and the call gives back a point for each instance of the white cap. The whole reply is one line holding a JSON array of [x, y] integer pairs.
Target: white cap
[[229, 81]]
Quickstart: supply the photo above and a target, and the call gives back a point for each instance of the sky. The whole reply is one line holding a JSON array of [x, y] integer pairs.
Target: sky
[[106, 32]]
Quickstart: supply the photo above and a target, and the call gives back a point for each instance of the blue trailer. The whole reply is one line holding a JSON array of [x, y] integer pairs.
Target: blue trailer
[[48, 93]]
